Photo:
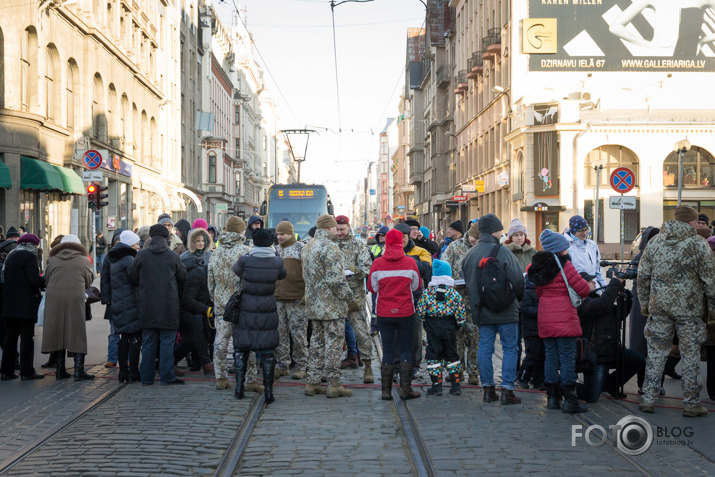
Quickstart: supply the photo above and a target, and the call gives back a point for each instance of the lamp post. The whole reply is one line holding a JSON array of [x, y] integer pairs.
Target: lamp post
[[681, 147]]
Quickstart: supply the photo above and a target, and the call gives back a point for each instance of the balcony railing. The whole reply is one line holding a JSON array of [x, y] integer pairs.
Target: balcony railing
[[475, 65], [491, 43], [444, 75], [460, 82]]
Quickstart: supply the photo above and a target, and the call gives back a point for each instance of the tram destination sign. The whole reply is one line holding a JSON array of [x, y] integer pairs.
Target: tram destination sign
[[619, 35]]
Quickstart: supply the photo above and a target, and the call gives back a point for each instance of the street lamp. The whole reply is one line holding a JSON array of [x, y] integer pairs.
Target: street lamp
[[681, 147]]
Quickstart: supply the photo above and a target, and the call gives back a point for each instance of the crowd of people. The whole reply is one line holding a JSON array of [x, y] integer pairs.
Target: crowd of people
[[298, 304]]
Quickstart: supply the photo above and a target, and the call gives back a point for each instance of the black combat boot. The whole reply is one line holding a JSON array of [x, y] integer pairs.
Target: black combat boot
[[436, 389], [61, 372], [406, 391], [79, 373], [553, 400], [240, 361], [123, 357], [571, 402], [455, 379], [268, 361], [135, 348], [386, 372]]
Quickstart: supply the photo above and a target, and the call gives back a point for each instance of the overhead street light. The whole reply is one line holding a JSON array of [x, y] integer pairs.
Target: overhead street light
[[681, 147]]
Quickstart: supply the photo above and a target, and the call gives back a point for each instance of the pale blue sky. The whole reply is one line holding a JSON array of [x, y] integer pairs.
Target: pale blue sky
[[295, 39]]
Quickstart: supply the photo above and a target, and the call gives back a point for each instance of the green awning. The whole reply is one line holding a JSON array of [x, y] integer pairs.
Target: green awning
[[39, 175], [71, 182], [5, 181]]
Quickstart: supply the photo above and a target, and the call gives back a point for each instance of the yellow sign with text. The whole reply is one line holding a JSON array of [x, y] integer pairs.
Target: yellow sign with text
[[479, 185], [538, 36]]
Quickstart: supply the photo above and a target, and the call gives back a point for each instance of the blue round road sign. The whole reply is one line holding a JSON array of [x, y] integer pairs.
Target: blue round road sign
[[623, 180], [92, 159]]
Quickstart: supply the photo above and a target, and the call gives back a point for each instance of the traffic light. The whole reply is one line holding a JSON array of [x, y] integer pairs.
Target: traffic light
[[92, 196], [101, 196]]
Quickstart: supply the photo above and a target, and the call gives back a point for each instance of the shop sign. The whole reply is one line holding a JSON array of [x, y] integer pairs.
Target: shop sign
[[452, 204], [479, 185], [460, 198], [221, 207], [503, 179], [466, 188]]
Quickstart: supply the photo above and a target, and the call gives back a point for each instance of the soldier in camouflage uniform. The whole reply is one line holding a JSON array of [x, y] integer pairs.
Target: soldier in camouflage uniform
[[222, 284], [292, 319], [357, 260], [468, 335], [675, 272], [327, 300]]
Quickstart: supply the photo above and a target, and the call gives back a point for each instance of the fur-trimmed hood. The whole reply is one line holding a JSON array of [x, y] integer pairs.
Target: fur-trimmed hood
[[194, 234], [544, 268], [67, 250], [120, 251], [519, 248]]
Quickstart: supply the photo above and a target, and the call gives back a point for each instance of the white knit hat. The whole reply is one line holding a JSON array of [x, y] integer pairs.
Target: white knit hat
[[129, 238], [71, 238]]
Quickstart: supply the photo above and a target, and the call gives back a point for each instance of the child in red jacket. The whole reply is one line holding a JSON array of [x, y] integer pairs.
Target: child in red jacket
[[559, 325]]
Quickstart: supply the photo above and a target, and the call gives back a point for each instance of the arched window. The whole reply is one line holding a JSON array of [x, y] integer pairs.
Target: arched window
[[72, 94], [51, 81], [99, 110], [112, 111], [698, 169], [611, 157], [28, 69], [124, 119], [519, 174], [212, 167], [154, 143], [145, 148]]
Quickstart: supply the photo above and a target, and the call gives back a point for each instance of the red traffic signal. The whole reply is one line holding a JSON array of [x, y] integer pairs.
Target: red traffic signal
[[92, 196]]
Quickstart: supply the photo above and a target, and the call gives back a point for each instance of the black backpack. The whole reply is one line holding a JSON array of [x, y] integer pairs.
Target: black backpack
[[495, 290]]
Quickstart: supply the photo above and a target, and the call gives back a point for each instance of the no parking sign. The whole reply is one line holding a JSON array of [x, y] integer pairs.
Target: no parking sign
[[623, 180]]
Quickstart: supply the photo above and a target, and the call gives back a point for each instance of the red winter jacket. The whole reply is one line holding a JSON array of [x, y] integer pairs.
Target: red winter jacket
[[393, 277], [557, 316]]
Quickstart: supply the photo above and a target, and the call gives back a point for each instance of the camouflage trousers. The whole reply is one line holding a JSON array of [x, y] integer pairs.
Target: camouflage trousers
[[326, 351], [468, 337], [292, 322], [358, 320], [659, 337], [224, 332]]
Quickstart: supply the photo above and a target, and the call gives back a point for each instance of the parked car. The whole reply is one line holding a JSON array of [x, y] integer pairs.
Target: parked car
[[371, 237]]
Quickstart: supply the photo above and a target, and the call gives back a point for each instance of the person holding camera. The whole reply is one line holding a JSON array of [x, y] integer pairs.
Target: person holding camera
[[675, 272], [599, 323]]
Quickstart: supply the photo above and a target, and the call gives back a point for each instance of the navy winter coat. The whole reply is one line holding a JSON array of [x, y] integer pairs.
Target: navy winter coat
[[257, 327], [599, 320], [530, 311], [118, 291], [195, 298]]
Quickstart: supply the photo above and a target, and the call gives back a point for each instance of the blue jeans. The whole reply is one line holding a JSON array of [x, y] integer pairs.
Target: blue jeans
[[350, 339], [154, 338], [509, 336], [100, 260], [600, 380], [560, 356], [112, 343]]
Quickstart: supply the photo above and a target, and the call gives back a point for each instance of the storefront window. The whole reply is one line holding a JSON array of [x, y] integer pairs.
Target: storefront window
[[706, 207], [698, 169], [610, 157]]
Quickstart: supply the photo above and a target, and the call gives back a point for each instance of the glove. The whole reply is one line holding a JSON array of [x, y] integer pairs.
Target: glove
[[644, 311], [354, 305], [209, 312]]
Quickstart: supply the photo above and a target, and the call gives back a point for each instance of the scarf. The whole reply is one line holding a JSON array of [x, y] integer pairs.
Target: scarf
[[289, 242], [262, 252]]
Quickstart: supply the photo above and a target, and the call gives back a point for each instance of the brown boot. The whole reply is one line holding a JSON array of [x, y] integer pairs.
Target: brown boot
[[338, 391], [386, 372], [508, 397], [368, 377], [406, 391], [311, 389], [350, 362], [280, 372], [208, 369], [490, 395]]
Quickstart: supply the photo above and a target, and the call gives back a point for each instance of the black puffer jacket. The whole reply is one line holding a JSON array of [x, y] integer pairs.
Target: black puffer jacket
[[23, 282], [257, 327], [195, 298], [598, 319], [118, 290], [530, 311]]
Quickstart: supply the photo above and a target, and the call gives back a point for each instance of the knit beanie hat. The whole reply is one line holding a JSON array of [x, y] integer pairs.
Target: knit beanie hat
[[285, 227], [158, 230], [311, 232], [393, 237], [12, 232], [424, 231], [29, 238], [704, 218], [342, 220], [69, 238], [553, 242], [516, 227], [489, 224], [440, 268], [577, 223], [711, 242], [704, 232], [262, 238], [165, 219], [143, 233], [474, 230], [326, 221], [412, 223], [235, 224], [129, 238], [382, 230], [402, 228], [458, 226], [685, 213], [200, 224]]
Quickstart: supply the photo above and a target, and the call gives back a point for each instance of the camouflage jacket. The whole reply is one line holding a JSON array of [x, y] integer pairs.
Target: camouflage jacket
[[675, 271], [222, 281], [292, 287], [356, 259], [327, 293], [454, 254]]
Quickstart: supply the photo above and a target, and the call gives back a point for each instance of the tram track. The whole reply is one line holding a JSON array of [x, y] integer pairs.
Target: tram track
[[11, 462], [229, 463]]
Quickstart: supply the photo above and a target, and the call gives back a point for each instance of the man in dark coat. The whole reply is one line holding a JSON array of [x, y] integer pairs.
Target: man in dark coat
[[257, 327], [23, 283], [254, 223], [159, 275], [419, 239], [5, 248], [506, 321]]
